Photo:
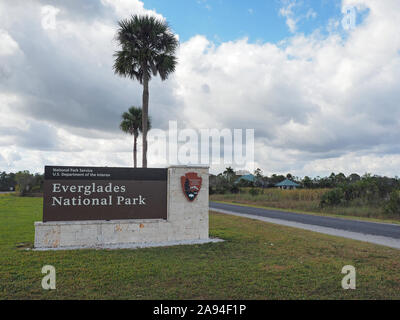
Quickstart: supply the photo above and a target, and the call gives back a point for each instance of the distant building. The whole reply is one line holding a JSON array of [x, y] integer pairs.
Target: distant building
[[287, 184], [247, 177]]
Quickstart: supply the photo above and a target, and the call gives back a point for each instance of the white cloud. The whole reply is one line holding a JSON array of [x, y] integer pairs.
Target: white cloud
[[8, 45], [310, 97], [205, 4], [287, 12], [292, 17], [311, 14], [126, 8]]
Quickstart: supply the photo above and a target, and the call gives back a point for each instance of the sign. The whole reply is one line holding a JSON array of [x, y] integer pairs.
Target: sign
[[95, 193], [191, 184]]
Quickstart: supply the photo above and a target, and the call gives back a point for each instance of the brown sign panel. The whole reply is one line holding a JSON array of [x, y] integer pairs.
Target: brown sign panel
[[94, 193]]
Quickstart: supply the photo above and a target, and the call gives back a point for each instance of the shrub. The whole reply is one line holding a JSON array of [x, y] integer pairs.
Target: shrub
[[222, 190], [254, 191], [235, 189], [332, 198], [211, 190], [393, 205]]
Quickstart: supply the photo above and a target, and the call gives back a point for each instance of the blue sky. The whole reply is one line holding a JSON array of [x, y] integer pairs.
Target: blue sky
[[259, 20]]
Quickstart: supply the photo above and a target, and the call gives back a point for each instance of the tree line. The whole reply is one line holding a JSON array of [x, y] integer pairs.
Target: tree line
[[228, 179], [23, 182], [341, 190]]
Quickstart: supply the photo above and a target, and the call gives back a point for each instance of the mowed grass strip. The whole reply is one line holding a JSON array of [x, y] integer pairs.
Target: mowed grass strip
[[257, 261]]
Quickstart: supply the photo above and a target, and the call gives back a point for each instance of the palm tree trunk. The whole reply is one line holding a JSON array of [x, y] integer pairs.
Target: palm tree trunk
[[145, 115], [135, 151]]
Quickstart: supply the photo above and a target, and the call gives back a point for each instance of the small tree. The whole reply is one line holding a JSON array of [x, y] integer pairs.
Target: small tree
[[393, 205], [259, 177], [132, 123], [307, 182], [24, 181], [229, 174]]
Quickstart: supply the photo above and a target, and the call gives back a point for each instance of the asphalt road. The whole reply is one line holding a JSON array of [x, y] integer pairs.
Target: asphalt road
[[369, 228]]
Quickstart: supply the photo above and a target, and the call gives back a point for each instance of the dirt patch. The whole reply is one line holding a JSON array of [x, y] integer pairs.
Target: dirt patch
[[275, 267], [24, 245]]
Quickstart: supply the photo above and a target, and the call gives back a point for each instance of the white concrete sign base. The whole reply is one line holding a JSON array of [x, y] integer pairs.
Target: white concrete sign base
[[187, 223]]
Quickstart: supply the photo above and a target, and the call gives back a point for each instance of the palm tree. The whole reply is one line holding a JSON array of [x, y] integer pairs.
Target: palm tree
[[132, 123], [229, 173], [147, 48]]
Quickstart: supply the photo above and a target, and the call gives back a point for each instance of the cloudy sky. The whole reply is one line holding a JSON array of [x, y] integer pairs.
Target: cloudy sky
[[320, 98]]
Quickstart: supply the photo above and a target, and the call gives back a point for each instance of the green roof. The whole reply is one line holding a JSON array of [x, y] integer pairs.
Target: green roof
[[247, 177], [287, 183]]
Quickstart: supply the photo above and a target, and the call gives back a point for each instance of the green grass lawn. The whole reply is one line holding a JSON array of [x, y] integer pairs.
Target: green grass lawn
[[257, 261]]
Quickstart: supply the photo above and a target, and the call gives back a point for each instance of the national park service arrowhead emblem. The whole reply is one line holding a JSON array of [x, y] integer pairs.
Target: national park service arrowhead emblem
[[191, 184]]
